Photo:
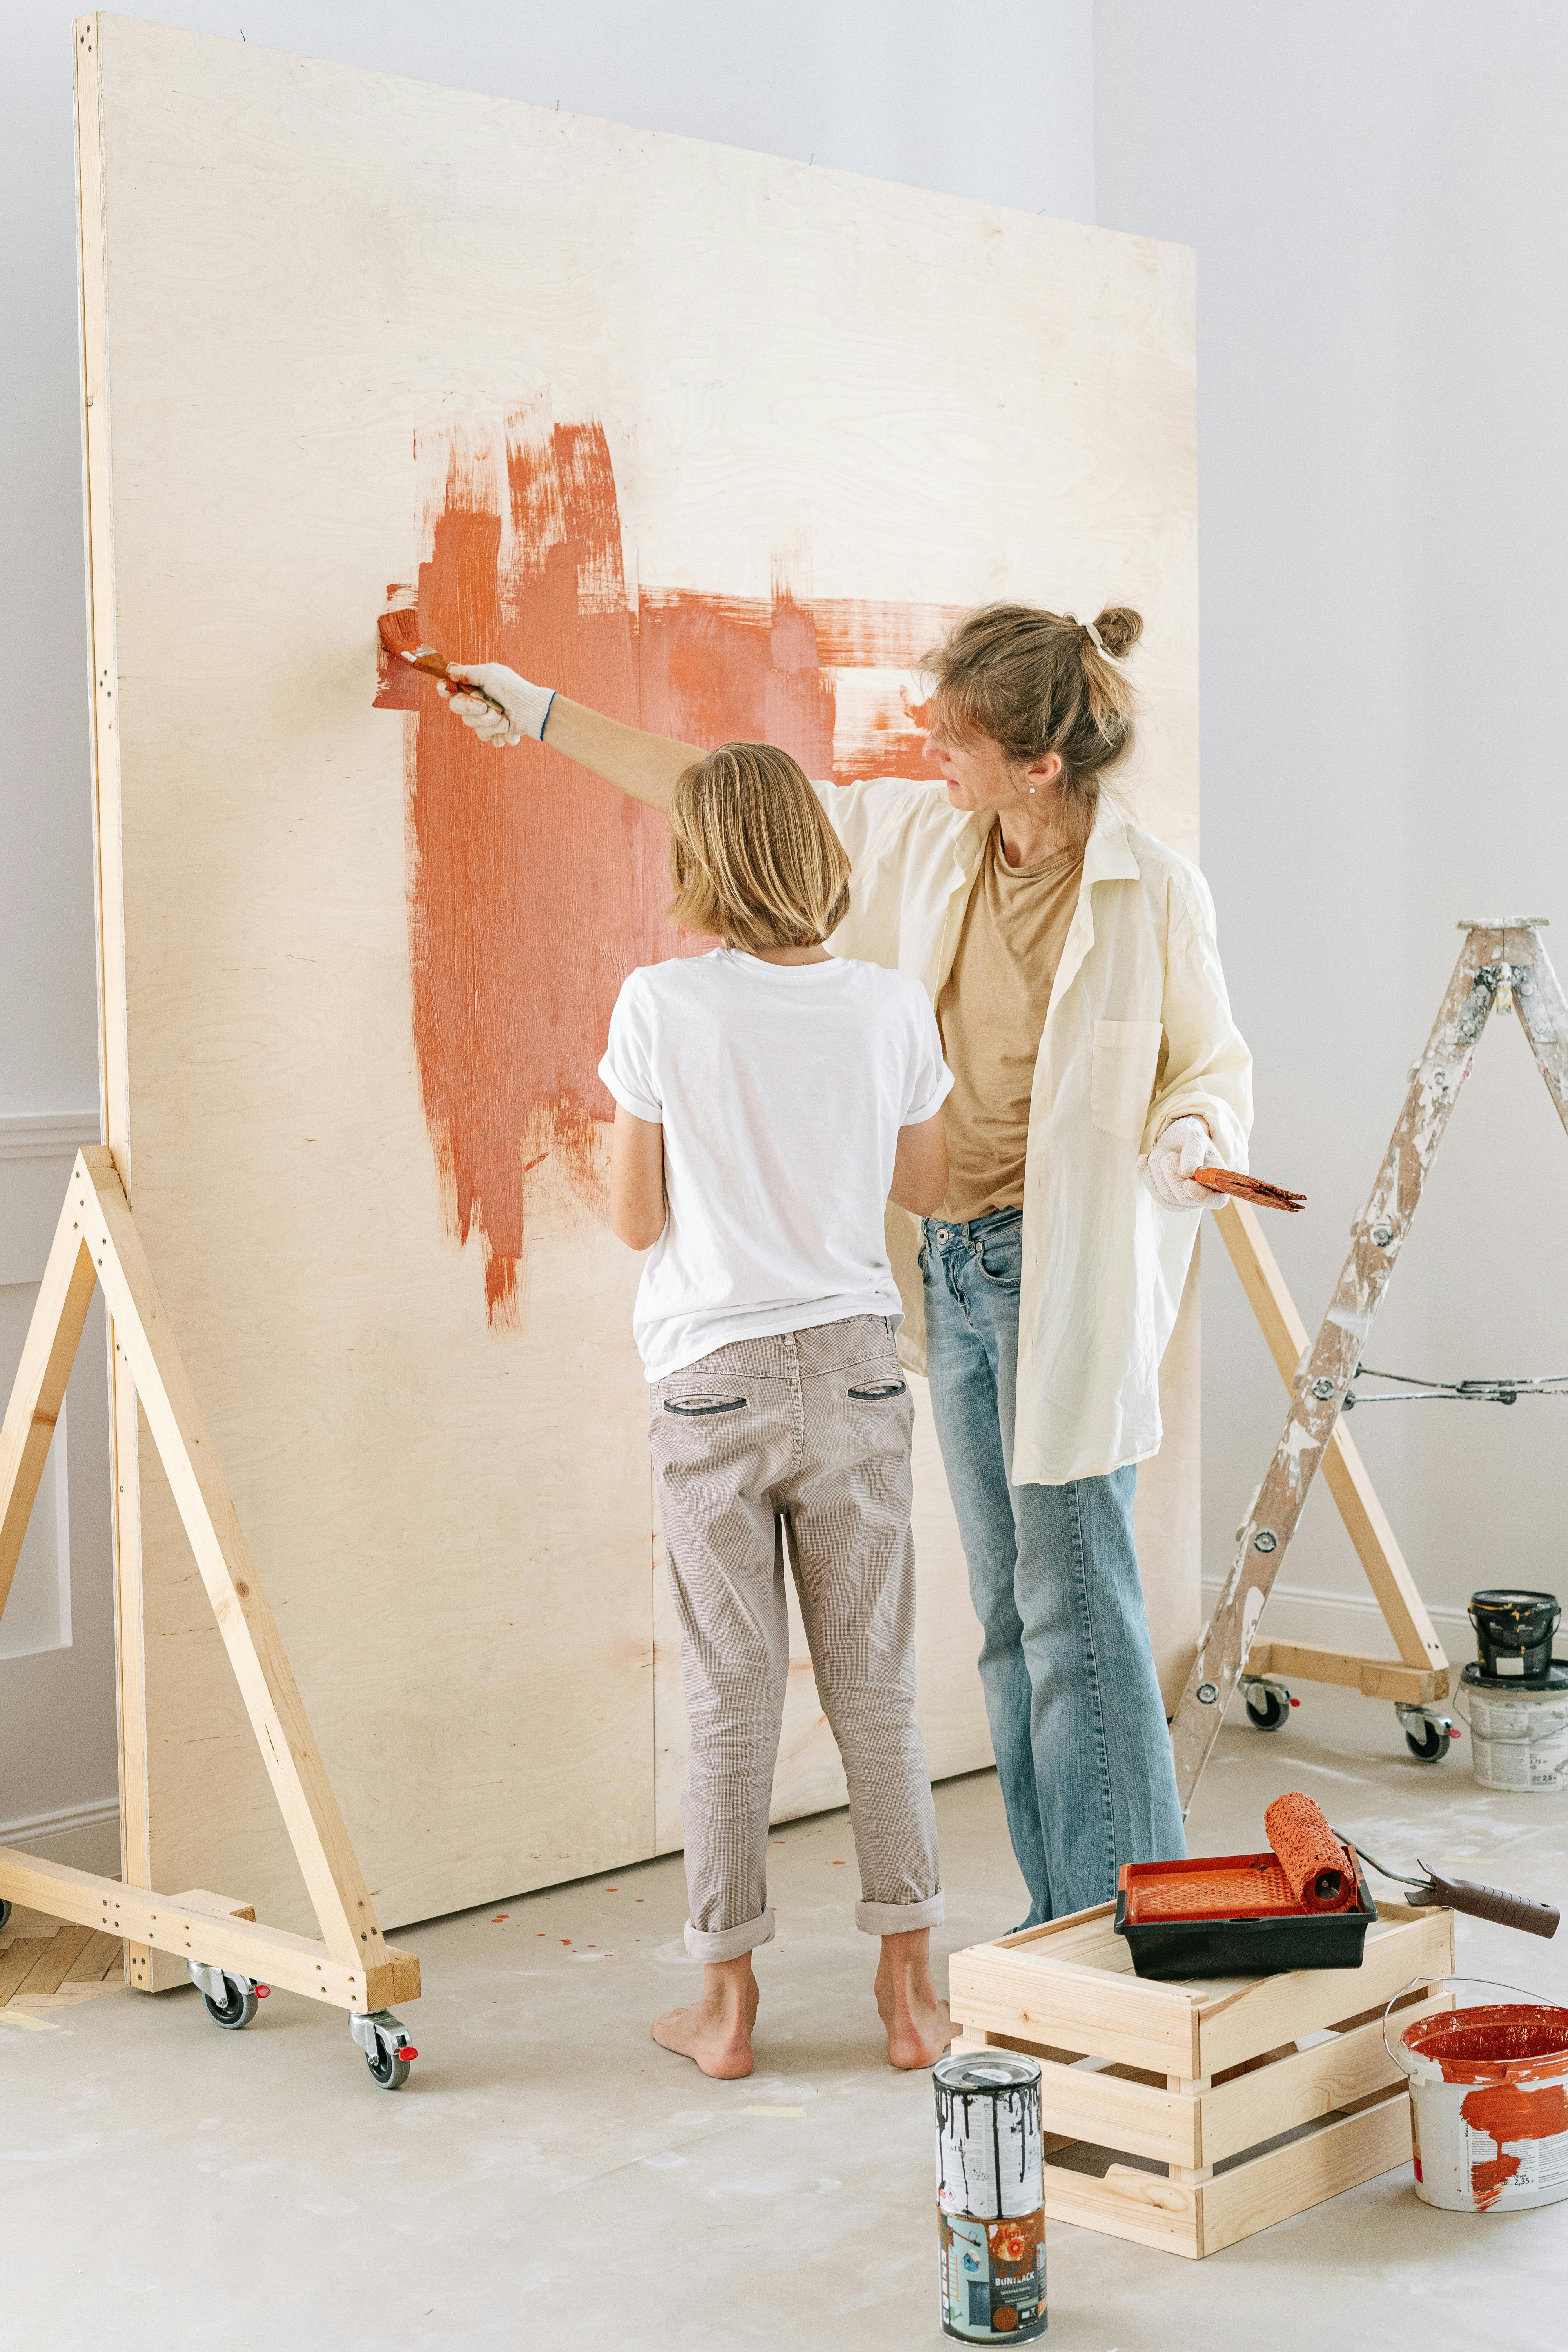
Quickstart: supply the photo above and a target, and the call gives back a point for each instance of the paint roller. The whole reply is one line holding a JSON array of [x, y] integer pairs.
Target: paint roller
[[400, 636], [1317, 1868], [1319, 1863]]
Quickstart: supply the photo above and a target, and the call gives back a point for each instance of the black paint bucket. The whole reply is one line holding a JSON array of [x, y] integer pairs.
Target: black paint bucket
[[1513, 1635]]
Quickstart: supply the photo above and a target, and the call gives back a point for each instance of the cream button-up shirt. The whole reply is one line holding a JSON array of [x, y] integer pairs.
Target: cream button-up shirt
[[1138, 1033]]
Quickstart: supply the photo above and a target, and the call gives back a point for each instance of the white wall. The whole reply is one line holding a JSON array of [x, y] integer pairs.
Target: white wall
[[1377, 195], [879, 87]]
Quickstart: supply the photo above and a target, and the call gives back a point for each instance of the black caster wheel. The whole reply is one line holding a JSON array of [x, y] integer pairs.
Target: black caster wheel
[[1431, 1745], [1267, 1711], [386, 2067], [388, 2051], [4, 1912], [236, 2009]]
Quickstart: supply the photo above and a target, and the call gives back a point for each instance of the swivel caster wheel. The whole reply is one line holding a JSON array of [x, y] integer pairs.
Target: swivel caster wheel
[[387, 2067], [1427, 1737], [229, 2001], [388, 2053], [1268, 1704], [4, 1912]]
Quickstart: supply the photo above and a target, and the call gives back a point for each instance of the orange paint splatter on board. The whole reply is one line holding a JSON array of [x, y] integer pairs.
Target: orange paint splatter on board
[[534, 890]]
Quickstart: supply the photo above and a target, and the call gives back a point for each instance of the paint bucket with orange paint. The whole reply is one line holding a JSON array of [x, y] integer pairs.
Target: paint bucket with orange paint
[[1489, 2091]]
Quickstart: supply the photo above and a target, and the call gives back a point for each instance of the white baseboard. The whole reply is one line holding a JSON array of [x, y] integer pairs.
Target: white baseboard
[[47, 1134], [1343, 1621], [87, 1837]]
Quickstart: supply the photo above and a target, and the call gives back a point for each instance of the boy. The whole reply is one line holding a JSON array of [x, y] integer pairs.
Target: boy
[[770, 1099]]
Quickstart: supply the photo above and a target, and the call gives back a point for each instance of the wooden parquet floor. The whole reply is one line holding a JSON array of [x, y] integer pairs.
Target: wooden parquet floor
[[35, 1964]]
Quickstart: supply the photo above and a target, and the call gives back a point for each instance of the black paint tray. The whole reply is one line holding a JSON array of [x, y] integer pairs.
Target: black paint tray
[[1233, 1915]]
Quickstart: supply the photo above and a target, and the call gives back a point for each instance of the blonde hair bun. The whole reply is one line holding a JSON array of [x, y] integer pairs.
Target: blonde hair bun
[[1120, 629]]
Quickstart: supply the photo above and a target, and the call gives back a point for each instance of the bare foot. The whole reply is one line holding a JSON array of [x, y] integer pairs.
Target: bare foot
[[717, 2030], [919, 2025]]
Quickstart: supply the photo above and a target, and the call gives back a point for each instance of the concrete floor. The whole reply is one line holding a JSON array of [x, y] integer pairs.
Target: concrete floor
[[549, 2176]]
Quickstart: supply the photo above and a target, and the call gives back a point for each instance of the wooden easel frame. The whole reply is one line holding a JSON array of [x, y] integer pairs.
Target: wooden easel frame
[[352, 1967], [1502, 964]]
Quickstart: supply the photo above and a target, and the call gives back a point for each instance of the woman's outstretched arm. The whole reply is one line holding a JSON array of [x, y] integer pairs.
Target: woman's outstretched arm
[[643, 765]]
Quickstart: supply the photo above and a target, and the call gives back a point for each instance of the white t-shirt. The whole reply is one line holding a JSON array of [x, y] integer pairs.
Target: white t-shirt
[[781, 1089]]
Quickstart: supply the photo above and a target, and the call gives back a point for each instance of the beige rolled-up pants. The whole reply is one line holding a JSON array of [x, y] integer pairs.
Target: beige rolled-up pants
[[806, 1431]]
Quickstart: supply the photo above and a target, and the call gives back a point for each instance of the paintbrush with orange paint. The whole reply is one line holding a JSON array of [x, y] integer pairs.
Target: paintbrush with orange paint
[[400, 636], [1250, 1188]]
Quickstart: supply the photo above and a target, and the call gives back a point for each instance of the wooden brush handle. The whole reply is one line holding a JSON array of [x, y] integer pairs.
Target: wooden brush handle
[[433, 664]]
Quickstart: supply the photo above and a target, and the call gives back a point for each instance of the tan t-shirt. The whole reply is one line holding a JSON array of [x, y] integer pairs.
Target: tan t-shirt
[[991, 1013]]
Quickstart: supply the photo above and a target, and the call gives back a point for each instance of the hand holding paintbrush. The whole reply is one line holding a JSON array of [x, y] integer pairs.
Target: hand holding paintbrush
[[1184, 1165], [400, 636]]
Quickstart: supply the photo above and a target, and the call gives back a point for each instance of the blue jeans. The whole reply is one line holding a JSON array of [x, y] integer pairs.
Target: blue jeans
[[1078, 1724]]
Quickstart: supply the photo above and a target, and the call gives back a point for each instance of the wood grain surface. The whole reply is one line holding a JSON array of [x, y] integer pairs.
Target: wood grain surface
[[292, 272]]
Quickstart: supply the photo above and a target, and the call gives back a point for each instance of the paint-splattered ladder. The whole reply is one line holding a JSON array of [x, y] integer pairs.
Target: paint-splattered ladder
[[1502, 966]]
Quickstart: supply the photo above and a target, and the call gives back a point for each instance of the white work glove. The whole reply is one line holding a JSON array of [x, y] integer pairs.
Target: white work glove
[[1179, 1151], [526, 706]]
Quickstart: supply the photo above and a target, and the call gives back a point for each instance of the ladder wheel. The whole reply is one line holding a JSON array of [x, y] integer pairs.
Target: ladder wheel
[[236, 2010], [1271, 1715], [1432, 1746]]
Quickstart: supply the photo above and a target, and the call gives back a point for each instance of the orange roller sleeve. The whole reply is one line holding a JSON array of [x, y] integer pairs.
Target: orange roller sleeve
[[1320, 1873]]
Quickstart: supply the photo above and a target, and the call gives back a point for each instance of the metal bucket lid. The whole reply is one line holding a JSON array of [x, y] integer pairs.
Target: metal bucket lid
[[986, 2070]]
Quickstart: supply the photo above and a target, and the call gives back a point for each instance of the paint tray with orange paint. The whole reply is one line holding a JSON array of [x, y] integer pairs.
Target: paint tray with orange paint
[[1234, 1915]]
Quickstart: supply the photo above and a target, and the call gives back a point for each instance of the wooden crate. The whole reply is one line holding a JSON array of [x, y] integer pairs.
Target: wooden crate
[[1191, 2089]]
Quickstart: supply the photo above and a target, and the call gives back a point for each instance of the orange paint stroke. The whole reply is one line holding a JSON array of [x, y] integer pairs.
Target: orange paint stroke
[[534, 888], [1507, 2113]]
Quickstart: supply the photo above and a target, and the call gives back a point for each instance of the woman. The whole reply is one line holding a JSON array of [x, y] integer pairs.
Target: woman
[[1071, 959]]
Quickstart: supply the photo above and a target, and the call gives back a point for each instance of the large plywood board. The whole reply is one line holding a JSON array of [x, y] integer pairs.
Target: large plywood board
[[716, 440]]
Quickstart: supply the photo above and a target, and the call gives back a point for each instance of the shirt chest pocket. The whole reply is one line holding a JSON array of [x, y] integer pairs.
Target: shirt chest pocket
[[1126, 1057]]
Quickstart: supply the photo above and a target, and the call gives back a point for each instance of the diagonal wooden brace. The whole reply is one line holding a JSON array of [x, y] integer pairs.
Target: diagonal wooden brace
[[1420, 1674], [39, 1393]]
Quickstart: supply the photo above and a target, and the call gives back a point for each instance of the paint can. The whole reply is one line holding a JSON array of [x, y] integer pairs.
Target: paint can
[[990, 2197], [1518, 1738], [1489, 2094], [1513, 1633]]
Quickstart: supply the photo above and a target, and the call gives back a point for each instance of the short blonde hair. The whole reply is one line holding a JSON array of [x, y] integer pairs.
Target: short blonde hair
[[752, 854]]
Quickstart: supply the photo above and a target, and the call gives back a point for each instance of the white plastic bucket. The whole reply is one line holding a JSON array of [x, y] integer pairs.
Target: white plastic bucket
[[1489, 2094], [1519, 1739]]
